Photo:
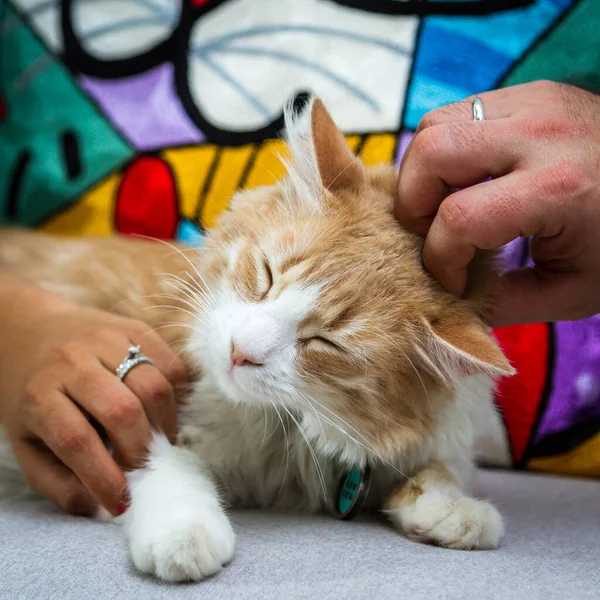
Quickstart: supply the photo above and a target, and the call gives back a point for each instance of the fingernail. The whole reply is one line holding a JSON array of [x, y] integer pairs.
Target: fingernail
[[123, 506]]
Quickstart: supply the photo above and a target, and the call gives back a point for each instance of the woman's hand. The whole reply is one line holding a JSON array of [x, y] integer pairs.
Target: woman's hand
[[540, 144], [57, 368]]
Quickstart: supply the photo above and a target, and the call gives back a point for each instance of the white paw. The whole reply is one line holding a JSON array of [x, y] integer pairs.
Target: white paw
[[462, 523], [184, 547]]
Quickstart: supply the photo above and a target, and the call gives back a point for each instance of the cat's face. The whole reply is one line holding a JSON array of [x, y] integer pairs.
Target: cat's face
[[317, 304]]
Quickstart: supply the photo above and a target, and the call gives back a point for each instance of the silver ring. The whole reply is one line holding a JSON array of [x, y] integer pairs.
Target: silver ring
[[132, 360], [477, 109]]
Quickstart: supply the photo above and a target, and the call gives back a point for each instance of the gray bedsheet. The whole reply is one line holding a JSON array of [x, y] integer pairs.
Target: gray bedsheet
[[551, 550]]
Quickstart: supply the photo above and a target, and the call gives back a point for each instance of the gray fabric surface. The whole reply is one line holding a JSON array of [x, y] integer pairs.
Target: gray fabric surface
[[551, 550]]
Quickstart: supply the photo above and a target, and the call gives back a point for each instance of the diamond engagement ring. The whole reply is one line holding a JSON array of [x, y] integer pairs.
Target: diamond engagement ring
[[132, 360], [477, 109]]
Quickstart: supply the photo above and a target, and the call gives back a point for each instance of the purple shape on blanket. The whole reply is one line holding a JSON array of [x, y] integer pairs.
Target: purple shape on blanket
[[575, 395], [403, 141], [145, 108]]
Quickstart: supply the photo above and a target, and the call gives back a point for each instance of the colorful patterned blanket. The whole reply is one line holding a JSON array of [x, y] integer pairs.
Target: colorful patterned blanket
[[144, 116]]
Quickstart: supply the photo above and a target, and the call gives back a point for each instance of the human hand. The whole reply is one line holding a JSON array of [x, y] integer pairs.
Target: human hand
[[57, 366], [540, 144]]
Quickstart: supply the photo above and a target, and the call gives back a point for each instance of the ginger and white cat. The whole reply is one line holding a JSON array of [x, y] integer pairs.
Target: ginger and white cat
[[319, 343]]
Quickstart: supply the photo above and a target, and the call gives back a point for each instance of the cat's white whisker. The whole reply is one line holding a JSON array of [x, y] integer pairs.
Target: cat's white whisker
[[311, 450]]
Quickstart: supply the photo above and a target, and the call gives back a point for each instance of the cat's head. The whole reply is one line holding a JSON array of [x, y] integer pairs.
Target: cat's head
[[318, 303]]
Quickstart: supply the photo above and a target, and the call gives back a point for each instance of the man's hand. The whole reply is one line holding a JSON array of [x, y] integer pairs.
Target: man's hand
[[540, 145]]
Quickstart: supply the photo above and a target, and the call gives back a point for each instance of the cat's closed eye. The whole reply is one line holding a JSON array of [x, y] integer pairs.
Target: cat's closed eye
[[266, 278], [321, 341]]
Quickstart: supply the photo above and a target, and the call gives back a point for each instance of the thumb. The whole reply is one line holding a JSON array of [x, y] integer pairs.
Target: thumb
[[535, 295]]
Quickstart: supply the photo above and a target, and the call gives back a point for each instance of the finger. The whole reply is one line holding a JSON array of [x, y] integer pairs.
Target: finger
[[51, 479], [452, 156], [486, 216], [495, 107], [534, 295], [116, 407], [156, 396], [164, 358], [498, 104], [66, 432]]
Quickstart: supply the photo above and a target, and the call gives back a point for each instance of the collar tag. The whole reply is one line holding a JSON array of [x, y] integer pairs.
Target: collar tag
[[352, 492]]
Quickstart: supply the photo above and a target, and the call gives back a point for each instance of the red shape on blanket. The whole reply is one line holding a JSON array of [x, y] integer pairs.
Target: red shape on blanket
[[519, 397], [199, 2], [3, 108], [147, 199]]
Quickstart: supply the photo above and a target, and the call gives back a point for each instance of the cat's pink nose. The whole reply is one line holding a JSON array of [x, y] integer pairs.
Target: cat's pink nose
[[242, 359]]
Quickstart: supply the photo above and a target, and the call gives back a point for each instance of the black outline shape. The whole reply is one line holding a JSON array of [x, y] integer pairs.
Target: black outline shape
[[361, 143], [71, 154], [210, 175], [84, 62], [422, 8], [15, 183], [165, 51], [566, 440], [217, 135], [241, 184]]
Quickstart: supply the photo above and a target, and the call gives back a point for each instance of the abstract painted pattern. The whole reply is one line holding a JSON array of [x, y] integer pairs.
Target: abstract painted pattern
[[145, 116]]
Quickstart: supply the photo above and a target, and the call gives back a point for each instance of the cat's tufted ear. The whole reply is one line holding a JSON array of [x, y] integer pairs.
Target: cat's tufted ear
[[459, 346], [338, 167]]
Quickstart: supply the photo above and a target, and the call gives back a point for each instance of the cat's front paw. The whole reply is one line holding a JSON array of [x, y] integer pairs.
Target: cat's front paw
[[183, 547], [461, 523]]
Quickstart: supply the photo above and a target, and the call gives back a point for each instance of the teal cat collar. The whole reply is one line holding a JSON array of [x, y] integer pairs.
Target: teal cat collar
[[352, 492]]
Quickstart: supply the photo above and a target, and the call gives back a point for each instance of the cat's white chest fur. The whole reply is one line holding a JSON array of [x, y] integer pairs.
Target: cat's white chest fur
[[257, 454]]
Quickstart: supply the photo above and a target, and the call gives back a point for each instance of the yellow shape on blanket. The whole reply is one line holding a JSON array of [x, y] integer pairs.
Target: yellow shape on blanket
[[378, 148], [353, 141], [91, 215], [191, 166], [267, 167], [232, 163], [583, 461], [206, 178]]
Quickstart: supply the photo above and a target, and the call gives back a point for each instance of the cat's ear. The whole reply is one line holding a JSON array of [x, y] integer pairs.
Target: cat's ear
[[338, 167], [459, 346]]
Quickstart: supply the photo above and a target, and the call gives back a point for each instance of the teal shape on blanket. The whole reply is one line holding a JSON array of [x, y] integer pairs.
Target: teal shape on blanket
[[54, 142], [580, 65]]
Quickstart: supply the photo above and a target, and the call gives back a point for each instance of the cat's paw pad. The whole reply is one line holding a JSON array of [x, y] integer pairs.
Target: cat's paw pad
[[459, 523], [183, 549]]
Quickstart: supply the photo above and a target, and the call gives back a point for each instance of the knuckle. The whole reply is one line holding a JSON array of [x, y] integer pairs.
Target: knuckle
[[549, 88], [70, 353], [455, 217], [136, 329], [105, 336], [431, 142], [451, 112], [564, 179], [155, 391], [178, 371], [429, 119], [73, 441], [76, 502], [552, 128], [124, 411], [33, 393]]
